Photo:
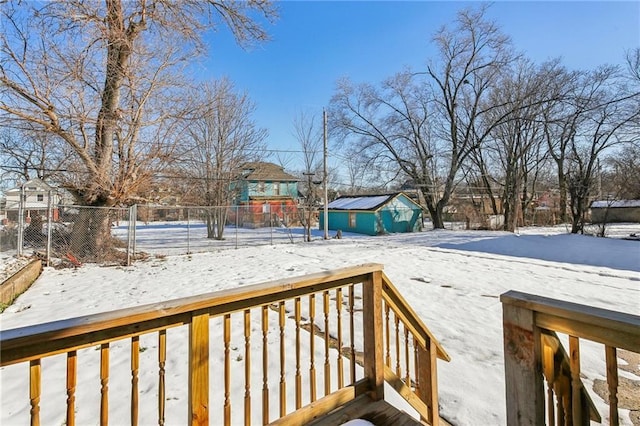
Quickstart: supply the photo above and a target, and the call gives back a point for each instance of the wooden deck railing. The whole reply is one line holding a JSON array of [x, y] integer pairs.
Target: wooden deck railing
[[534, 354], [284, 351]]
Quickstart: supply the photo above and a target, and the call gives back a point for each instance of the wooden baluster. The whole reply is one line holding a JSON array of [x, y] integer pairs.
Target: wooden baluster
[[34, 391], [407, 379], [104, 384], [548, 366], [339, 356], [265, 366], [416, 385], [327, 337], [297, 317], [227, 368], [72, 377], [352, 334], [199, 369], [162, 359], [396, 322], [576, 383], [283, 384], [312, 347], [135, 366], [247, 367], [387, 333], [562, 388], [612, 382]]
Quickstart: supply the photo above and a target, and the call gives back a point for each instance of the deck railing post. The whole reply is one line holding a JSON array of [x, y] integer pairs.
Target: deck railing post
[[523, 367], [199, 369], [426, 372], [373, 339]]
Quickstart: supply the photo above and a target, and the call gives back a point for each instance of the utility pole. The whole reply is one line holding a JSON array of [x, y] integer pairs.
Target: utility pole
[[324, 177]]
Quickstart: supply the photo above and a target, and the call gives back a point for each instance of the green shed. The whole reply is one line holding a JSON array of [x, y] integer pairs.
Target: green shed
[[374, 214]]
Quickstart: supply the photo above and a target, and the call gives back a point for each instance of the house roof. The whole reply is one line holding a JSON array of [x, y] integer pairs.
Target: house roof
[[38, 183], [364, 202], [615, 204], [262, 171]]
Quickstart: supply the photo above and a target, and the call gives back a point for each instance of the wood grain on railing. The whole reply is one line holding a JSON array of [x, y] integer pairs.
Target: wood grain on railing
[[265, 365], [72, 366], [135, 366], [35, 388], [531, 345], [339, 357], [247, 367], [415, 376], [162, 359]]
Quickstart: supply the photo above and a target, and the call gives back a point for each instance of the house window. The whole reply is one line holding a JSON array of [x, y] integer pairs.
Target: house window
[[352, 220], [40, 197], [276, 188], [260, 187]]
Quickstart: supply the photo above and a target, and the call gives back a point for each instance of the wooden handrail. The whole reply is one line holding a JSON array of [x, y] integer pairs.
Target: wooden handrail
[[533, 353], [272, 302], [31, 342]]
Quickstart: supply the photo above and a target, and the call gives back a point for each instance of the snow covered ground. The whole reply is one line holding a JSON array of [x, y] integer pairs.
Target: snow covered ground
[[452, 279]]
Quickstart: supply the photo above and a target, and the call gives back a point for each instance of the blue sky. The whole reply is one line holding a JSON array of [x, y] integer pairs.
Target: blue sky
[[314, 43]]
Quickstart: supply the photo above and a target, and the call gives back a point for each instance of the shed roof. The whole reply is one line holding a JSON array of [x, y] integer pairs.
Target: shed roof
[[615, 204], [262, 171], [363, 202]]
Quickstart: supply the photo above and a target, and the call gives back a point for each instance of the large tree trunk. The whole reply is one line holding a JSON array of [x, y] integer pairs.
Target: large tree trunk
[[91, 235]]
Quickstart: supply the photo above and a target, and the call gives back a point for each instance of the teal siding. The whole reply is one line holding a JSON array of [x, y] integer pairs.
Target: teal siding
[[398, 215], [247, 189]]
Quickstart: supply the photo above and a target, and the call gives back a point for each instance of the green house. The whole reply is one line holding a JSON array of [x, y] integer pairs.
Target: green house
[[374, 214]]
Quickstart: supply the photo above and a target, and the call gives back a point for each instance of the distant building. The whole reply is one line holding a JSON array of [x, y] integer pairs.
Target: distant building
[[265, 195], [374, 214], [615, 211], [36, 197]]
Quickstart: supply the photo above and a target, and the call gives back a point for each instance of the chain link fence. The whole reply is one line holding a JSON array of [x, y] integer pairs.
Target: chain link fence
[[72, 235]]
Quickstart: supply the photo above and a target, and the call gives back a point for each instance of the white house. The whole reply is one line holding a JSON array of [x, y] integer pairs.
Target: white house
[[35, 193]]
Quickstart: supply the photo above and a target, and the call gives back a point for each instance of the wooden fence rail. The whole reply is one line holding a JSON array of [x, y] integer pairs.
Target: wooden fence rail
[[284, 351], [534, 354]]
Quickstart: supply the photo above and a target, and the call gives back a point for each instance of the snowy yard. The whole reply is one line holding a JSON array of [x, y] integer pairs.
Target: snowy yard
[[452, 279]]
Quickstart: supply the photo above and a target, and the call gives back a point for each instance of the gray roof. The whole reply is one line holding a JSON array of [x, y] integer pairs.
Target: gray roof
[[365, 202], [262, 171]]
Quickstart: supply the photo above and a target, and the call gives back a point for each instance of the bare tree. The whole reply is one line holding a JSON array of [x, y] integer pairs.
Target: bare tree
[[516, 143], [428, 126], [390, 128], [30, 154], [473, 54], [220, 136], [101, 78], [624, 174], [308, 132], [608, 122], [598, 112]]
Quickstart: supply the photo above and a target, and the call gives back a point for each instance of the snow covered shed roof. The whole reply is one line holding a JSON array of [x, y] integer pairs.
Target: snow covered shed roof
[[615, 204], [363, 202]]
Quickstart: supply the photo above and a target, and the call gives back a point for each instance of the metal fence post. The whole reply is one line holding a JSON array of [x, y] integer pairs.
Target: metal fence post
[[49, 226], [270, 222], [237, 224], [188, 231], [21, 220]]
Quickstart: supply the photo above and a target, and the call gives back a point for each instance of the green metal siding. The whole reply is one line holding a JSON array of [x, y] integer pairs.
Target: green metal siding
[[398, 215]]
